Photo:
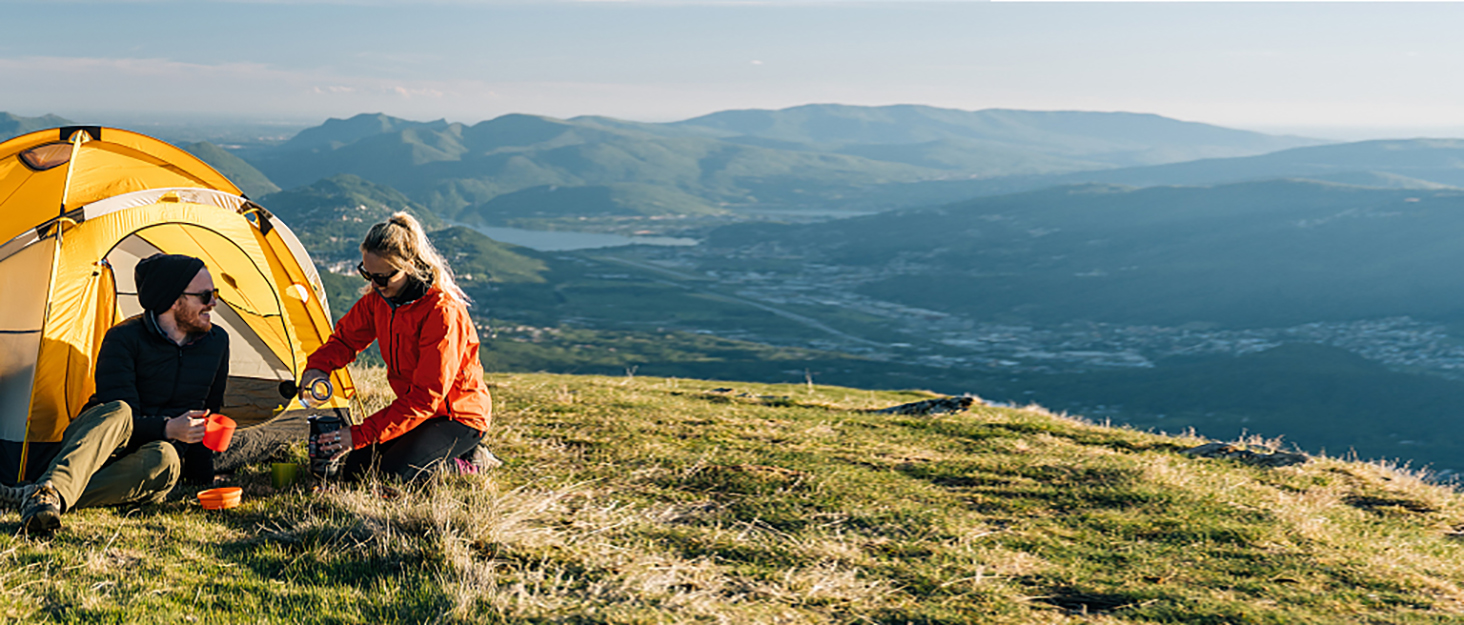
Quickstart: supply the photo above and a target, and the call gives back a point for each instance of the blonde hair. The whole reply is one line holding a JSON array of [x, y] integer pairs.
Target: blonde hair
[[403, 243]]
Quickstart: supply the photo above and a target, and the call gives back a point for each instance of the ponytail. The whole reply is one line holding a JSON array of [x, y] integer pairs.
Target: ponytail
[[402, 242]]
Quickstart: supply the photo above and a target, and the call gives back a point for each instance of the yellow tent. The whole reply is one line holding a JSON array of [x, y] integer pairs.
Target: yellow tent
[[79, 207]]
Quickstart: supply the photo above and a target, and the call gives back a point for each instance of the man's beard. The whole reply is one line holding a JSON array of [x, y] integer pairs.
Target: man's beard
[[193, 323]]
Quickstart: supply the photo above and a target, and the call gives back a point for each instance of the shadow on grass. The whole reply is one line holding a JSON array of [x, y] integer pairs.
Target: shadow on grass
[[1079, 601], [1058, 487], [730, 396], [1388, 505], [981, 430]]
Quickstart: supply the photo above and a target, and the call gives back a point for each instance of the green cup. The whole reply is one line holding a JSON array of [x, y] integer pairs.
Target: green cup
[[283, 474]]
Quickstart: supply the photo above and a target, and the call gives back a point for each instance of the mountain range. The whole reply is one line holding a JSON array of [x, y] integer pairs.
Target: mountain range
[[803, 157], [1097, 139], [807, 157]]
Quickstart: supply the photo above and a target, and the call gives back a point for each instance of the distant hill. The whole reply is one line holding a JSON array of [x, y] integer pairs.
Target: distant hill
[[250, 180], [336, 133], [1430, 161], [331, 216], [817, 156], [1109, 138], [1266, 253], [1395, 164], [478, 260], [12, 125]]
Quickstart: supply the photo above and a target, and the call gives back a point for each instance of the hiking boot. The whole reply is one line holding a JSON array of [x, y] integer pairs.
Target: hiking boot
[[41, 513], [14, 496], [484, 459]]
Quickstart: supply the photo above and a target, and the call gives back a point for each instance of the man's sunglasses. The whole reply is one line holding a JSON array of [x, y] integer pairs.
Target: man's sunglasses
[[379, 278], [207, 298]]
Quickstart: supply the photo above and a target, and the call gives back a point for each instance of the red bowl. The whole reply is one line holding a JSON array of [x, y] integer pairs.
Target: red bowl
[[220, 498]]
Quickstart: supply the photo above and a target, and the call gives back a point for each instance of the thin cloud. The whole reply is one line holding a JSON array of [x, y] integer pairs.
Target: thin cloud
[[135, 67], [413, 93]]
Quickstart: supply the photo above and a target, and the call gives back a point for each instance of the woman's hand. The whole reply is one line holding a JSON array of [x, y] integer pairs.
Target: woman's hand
[[335, 443], [307, 380]]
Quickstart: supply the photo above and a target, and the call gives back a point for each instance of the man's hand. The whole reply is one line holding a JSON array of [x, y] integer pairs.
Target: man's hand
[[187, 427]]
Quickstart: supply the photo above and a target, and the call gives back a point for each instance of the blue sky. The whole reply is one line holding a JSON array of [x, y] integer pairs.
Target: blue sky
[[1345, 70]]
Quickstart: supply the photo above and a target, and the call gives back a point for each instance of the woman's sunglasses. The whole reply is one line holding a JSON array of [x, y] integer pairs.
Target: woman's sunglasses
[[379, 278], [206, 298]]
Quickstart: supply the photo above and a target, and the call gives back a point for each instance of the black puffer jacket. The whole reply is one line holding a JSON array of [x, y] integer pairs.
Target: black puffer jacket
[[160, 379]]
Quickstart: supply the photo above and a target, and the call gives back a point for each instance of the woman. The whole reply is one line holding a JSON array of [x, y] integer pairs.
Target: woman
[[418, 316]]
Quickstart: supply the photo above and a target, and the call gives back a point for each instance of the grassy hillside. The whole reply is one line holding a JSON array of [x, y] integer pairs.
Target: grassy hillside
[[237, 170], [331, 216], [476, 259], [644, 500]]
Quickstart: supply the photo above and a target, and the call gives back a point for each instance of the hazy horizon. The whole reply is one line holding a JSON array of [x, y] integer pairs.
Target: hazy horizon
[[1334, 71], [288, 126]]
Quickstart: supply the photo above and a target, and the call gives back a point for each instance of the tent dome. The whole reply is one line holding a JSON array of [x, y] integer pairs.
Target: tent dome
[[79, 207]]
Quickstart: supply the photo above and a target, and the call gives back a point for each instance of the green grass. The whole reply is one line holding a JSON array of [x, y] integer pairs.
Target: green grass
[[249, 180], [655, 500]]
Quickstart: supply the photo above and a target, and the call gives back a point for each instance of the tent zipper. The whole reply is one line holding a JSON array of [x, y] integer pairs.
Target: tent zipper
[[177, 375], [391, 323]]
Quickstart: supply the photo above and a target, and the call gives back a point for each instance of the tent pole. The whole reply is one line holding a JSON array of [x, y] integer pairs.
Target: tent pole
[[77, 138]]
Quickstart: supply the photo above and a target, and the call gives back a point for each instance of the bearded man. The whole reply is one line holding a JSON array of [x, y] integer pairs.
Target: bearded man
[[158, 375]]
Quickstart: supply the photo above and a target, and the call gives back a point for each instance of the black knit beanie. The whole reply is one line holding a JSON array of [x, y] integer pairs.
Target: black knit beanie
[[161, 278]]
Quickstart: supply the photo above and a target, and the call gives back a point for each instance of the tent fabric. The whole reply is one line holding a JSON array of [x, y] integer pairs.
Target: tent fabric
[[66, 269], [116, 163]]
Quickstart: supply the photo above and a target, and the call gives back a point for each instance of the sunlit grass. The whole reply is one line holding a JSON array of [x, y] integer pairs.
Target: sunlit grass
[[649, 500]]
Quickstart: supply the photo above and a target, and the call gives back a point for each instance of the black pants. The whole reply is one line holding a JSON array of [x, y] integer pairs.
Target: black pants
[[416, 454]]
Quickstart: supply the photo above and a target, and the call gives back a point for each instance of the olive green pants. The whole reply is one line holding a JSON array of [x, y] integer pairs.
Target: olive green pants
[[86, 474]]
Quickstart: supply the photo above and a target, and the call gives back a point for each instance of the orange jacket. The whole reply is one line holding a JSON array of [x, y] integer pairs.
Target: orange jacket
[[431, 352]]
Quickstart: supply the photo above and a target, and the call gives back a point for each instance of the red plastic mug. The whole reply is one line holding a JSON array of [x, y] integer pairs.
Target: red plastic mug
[[217, 432]]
